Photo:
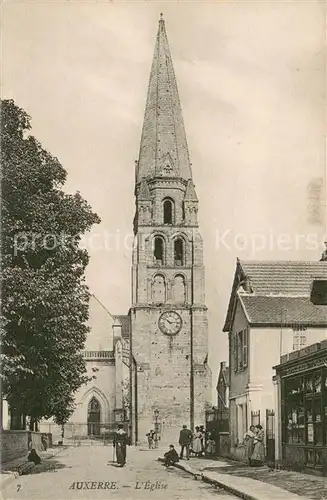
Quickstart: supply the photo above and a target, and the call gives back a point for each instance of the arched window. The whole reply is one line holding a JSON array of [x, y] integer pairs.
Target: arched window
[[158, 292], [158, 252], [179, 252], [93, 417], [179, 290], [168, 208]]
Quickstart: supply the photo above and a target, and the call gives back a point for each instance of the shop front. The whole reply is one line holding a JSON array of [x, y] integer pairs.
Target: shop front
[[303, 404]]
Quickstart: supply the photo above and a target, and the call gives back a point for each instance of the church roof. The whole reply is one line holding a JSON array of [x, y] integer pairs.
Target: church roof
[[126, 325], [163, 149], [275, 279]]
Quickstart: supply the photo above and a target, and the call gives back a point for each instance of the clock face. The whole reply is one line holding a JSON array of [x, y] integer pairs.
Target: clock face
[[170, 323]]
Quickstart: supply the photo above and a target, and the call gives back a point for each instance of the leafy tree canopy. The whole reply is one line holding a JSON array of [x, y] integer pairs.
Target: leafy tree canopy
[[44, 295]]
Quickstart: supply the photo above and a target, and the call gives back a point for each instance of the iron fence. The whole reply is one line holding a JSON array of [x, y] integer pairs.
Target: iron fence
[[81, 433]]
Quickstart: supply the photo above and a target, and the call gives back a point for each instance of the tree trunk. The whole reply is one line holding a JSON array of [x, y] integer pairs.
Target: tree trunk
[[16, 423], [32, 424]]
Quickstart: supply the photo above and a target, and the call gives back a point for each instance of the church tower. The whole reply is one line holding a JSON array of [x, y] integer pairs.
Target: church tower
[[170, 378]]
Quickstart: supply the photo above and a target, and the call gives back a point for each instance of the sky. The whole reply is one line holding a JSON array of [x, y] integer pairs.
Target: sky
[[252, 85]]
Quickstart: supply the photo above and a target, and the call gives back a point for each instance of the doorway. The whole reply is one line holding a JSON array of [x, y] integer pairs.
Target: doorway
[[93, 417]]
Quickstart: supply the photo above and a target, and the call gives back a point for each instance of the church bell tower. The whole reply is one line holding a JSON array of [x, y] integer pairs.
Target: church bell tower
[[170, 378]]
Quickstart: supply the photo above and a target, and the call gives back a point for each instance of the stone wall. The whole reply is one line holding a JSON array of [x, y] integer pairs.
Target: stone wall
[[17, 444], [163, 373], [14, 444]]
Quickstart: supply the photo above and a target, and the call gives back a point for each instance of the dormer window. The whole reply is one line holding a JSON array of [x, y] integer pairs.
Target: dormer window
[[168, 211]]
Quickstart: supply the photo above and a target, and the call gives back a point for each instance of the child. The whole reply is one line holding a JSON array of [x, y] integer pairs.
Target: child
[[171, 456]]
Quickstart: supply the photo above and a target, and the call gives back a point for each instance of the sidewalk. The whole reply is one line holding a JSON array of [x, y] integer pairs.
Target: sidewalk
[[14, 468], [256, 483]]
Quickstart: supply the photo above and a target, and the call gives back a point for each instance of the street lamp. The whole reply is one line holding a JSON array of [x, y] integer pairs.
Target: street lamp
[[156, 427], [156, 416]]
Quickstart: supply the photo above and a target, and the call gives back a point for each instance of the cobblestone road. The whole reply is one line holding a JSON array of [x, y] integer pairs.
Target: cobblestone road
[[88, 473]]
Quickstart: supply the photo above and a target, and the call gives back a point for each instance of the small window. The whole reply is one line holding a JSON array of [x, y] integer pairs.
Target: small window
[[158, 250], [178, 252], [168, 212], [241, 351], [299, 338]]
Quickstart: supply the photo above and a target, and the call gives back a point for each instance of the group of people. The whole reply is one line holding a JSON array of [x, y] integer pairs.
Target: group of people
[[254, 446], [199, 443], [153, 438]]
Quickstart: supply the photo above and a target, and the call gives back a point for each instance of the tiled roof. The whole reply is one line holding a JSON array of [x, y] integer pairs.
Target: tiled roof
[[275, 278], [292, 311], [286, 277], [126, 325]]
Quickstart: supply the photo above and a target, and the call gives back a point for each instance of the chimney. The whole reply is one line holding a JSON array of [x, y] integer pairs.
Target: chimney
[[324, 254]]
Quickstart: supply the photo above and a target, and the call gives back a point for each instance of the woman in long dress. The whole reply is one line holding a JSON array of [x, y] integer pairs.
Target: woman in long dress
[[211, 445], [197, 445], [120, 442], [258, 455], [249, 443]]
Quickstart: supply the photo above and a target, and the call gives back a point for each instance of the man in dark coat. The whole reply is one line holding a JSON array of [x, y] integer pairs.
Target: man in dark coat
[[185, 438]]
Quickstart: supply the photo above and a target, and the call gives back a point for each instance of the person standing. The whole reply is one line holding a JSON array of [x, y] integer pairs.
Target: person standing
[[203, 438], [120, 443], [156, 439], [197, 445], [185, 437], [150, 439], [249, 443], [258, 455], [211, 445]]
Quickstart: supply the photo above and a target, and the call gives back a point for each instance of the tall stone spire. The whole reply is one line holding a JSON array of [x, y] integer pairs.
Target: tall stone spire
[[163, 150]]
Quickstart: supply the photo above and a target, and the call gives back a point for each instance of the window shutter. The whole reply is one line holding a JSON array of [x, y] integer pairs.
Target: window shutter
[[235, 350], [245, 347]]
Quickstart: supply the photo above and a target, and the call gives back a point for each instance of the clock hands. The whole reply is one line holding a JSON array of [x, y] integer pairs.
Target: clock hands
[[170, 323]]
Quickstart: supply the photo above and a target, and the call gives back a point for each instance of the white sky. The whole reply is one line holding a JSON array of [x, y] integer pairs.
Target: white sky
[[252, 83]]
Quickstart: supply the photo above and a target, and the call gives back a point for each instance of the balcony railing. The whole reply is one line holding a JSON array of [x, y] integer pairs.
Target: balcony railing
[[98, 355]]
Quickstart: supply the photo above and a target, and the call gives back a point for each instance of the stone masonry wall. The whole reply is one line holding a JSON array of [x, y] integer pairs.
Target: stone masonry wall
[[14, 444], [163, 371]]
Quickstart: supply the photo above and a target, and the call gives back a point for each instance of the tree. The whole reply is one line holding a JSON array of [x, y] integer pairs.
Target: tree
[[44, 294]]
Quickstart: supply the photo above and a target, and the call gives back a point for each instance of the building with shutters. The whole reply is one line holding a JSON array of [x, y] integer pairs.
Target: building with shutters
[[269, 314]]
